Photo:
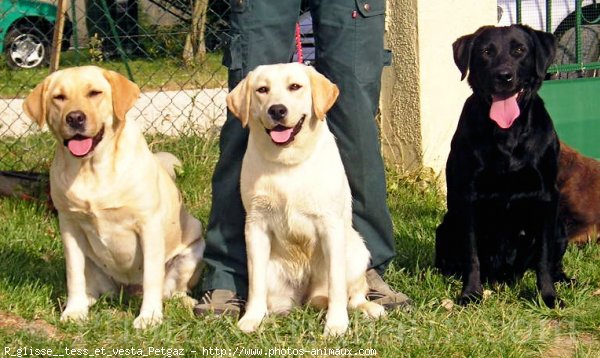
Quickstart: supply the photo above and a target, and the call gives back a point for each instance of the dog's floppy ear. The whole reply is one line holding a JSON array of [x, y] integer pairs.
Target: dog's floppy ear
[[462, 49], [238, 100], [35, 103], [462, 53], [124, 93], [545, 49], [324, 93]]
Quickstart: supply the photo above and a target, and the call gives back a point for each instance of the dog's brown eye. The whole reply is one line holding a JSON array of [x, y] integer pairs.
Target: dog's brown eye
[[94, 93], [294, 87], [263, 89], [486, 51], [519, 50], [60, 97]]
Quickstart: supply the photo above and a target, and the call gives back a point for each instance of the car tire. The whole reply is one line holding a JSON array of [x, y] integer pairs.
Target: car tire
[[26, 47], [590, 49]]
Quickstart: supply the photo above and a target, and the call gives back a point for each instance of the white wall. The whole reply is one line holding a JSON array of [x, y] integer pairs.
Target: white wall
[[441, 22], [422, 93]]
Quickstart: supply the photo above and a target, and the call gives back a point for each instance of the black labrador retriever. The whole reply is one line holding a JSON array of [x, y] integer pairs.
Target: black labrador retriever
[[502, 168]]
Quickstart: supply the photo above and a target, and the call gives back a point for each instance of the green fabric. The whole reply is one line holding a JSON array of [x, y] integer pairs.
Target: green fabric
[[349, 41]]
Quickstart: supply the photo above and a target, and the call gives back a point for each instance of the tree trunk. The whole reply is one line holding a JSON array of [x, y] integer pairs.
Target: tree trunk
[[194, 50]]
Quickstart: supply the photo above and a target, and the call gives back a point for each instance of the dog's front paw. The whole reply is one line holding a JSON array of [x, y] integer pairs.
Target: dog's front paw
[[250, 322], [373, 310], [336, 324], [470, 295], [562, 277], [77, 308], [148, 319], [552, 301], [74, 313], [555, 303]]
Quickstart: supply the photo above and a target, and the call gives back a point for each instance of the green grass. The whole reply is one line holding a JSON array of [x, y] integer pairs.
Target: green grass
[[511, 322], [26, 152], [164, 73]]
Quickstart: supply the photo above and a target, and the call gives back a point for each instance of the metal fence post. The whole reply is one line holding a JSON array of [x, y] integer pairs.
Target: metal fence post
[[75, 32], [578, 14], [113, 29], [548, 15], [57, 37]]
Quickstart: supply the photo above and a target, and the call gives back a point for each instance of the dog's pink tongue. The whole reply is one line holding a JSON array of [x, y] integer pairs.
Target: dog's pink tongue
[[504, 111], [80, 147], [281, 134]]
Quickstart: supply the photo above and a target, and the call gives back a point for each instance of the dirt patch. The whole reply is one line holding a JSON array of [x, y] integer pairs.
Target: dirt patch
[[37, 326], [566, 346]]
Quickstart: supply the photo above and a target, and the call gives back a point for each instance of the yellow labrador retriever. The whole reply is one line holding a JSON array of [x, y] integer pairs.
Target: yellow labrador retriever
[[300, 241], [121, 216]]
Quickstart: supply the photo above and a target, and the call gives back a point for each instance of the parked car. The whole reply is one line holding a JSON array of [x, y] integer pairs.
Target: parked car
[[562, 25], [26, 30]]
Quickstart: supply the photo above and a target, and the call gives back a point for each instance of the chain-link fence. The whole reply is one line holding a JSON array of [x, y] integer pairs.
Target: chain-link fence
[[171, 48]]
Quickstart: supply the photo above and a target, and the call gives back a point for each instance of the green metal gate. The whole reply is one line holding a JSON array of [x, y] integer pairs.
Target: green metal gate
[[572, 91]]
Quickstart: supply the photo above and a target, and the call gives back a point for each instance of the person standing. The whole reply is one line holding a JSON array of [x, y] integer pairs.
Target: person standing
[[349, 51]]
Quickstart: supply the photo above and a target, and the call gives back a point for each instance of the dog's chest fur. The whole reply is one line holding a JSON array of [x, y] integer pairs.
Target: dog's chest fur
[[295, 203], [292, 219], [111, 227], [506, 165], [114, 248], [507, 171]]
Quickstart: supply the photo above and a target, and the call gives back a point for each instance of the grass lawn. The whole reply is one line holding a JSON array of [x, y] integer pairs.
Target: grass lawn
[[510, 322], [162, 73]]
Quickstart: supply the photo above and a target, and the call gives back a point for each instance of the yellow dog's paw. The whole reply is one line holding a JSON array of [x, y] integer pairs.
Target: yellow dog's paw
[[336, 325], [74, 314], [147, 320], [250, 322], [373, 310]]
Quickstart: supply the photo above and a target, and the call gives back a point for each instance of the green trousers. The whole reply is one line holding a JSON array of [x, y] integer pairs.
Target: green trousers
[[349, 51]]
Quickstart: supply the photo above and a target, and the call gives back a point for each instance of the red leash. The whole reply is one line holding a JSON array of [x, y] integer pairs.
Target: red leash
[[299, 44]]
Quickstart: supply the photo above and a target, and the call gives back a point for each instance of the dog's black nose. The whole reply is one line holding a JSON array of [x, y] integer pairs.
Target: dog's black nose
[[277, 112], [504, 76], [76, 119]]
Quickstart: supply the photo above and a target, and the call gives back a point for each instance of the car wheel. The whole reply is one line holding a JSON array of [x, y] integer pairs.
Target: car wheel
[[590, 50], [26, 47]]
